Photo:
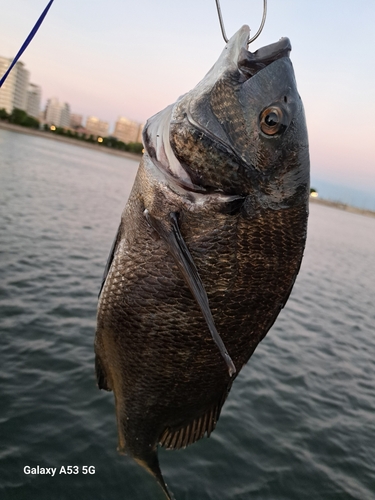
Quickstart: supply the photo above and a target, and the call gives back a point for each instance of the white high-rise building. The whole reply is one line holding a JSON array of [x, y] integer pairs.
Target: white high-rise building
[[53, 112], [57, 113], [65, 116], [97, 127], [34, 97], [128, 131], [13, 93]]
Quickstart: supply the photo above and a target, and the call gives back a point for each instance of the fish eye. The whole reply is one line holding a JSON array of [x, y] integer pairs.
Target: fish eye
[[271, 121]]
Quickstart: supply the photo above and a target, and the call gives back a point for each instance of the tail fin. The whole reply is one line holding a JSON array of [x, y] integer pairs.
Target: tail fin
[[151, 464]]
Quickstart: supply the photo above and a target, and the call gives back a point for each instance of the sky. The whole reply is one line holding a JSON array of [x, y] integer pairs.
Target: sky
[[121, 58]]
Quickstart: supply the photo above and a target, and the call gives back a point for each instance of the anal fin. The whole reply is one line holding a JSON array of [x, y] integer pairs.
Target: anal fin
[[174, 439]]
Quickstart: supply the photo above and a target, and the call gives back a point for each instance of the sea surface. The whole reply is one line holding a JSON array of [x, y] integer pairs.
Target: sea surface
[[300, 419]]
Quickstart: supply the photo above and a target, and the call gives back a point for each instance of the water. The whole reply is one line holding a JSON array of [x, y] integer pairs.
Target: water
[[351, 195], [299, 422]]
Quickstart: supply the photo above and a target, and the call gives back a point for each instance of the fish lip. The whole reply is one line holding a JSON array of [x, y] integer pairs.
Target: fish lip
[[274, 50], [250, 63]]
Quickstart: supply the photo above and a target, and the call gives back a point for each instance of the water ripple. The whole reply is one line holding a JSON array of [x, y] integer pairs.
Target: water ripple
[[298, 423]]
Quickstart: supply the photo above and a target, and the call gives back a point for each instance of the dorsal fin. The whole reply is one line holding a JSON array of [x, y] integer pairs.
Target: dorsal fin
[[110, 258], [101, 375]]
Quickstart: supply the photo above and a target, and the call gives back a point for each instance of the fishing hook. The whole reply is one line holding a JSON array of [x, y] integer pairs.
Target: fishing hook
[[257, 33]]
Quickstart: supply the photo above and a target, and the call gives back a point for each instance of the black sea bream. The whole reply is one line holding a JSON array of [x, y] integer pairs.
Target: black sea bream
[[208, 249]]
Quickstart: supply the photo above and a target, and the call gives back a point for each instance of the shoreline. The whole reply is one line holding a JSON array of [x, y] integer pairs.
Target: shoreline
[[132, 156], [342, 206], [75, 142]]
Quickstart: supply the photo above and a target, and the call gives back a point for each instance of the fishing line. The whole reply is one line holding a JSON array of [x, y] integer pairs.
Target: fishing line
[[27, 42]]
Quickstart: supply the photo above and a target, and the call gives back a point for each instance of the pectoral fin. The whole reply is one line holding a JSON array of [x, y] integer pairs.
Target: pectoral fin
[[171, 234]]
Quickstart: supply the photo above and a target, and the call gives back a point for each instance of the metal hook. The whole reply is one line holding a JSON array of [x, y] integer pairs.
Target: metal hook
[[257, 33]]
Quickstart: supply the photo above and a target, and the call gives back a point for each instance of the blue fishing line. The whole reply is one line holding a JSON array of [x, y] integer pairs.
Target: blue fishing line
[[27, 41]]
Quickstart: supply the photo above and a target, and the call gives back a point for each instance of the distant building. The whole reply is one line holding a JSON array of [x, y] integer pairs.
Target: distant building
[[139, 137], [57, 113], [34, 97], [96, 127], [128, 131], [76, 120], [13, 93], [65, 116], [53, 112]]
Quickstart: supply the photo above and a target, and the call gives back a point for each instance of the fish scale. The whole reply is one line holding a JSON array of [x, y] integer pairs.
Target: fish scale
[[207, 252]]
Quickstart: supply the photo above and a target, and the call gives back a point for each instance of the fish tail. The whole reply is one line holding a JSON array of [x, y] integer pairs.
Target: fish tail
[[151, 464]]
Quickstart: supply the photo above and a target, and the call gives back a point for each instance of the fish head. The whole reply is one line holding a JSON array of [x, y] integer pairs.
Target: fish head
[[241, 129]]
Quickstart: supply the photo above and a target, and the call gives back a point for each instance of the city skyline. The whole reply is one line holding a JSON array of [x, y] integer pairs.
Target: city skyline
[[139, 58], [19, 92]]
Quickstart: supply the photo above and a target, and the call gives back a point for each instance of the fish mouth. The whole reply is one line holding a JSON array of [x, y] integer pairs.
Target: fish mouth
[[236, 56], [250, 63]]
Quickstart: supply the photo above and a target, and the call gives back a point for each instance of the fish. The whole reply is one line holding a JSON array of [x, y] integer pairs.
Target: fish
[[207, 251]]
